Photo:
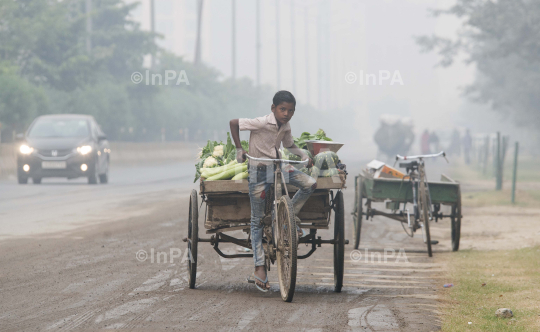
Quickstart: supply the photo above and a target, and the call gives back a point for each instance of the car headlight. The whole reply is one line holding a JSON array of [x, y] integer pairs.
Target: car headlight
[[25, 149], [85, 149]]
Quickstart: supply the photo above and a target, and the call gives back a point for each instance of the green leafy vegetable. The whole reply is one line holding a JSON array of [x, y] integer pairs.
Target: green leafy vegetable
[[320, 135], [221, 159]]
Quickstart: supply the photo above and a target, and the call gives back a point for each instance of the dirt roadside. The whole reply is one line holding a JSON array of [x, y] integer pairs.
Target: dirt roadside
[[90, 279]]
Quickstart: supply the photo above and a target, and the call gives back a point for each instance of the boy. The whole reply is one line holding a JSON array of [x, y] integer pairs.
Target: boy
[[267, 134]]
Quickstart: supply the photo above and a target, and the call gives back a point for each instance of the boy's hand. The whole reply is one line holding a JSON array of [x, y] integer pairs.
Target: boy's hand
[[240, 155], [310, 162]]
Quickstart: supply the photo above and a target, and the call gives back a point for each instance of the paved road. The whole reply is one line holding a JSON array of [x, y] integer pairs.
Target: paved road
[[69, 263]]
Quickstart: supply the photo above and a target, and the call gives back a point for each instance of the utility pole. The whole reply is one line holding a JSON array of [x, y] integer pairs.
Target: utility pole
[[319, 59], [233, 38], [258, 43], [198, 41], [514, 173], [88, 8], [277, 47], [293, 49], [306, 22], [153, 28], [498, 165]]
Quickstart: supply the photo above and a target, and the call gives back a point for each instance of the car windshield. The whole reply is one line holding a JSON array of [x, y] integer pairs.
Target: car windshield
[[59, 128]]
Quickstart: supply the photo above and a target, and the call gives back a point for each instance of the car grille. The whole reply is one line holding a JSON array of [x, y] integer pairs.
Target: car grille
[[59, 153]]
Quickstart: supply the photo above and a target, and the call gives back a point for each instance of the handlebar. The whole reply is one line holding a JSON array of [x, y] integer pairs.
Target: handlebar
[[277, 160], [424, 156]]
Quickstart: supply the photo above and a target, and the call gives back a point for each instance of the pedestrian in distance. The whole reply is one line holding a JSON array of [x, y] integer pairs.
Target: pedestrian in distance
[[467, 146]]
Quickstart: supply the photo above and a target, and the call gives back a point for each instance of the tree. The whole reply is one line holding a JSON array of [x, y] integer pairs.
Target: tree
[[502, 38]]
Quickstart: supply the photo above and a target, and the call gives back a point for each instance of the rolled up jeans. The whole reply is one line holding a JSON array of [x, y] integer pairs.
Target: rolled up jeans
[[260, 180]]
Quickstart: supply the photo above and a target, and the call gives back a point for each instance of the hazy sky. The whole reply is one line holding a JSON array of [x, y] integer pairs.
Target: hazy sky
[[342, 36]]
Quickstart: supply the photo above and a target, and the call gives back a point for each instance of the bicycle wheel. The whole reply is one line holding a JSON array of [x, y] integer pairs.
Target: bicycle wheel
[[286, 248], [424, 215], [358, 216], [456, 223], [193, 238], [339, 245]]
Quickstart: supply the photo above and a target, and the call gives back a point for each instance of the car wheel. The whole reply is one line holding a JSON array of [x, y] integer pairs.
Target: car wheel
[[36, 180], [93, 178], [22, 179]]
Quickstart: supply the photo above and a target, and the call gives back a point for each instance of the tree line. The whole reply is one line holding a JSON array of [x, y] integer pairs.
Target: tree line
[[46, 67]]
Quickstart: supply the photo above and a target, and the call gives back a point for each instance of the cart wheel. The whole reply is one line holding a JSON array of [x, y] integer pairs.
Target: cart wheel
[[358, 217], [339, 237], [456, 223], [424, 216], [193, 238], [286, 248]]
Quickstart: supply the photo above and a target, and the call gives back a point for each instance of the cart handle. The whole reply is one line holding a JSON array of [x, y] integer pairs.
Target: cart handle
[[424, 156], [275, 160]]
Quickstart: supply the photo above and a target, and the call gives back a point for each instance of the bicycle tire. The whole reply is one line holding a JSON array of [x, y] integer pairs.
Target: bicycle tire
[[424, 213], [286, 248]]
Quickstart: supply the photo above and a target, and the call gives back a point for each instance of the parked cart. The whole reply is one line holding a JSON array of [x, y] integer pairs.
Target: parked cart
[[227, 208], [413, 200]]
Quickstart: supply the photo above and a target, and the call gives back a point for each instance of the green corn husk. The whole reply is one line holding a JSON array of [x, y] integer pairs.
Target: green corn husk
[[229, 173], [208, 172], [240, 176]]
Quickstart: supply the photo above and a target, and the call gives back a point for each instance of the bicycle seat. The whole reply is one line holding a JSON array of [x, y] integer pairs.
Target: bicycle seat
[[408, 165]]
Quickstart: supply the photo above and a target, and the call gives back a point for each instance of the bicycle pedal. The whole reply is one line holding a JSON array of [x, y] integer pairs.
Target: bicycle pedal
[[434, 242]]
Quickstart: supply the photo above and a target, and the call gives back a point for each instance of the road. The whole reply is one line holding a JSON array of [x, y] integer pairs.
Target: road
[[69, 262]]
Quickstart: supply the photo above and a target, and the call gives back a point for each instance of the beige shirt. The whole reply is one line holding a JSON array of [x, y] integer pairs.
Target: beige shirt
[[265, 136]]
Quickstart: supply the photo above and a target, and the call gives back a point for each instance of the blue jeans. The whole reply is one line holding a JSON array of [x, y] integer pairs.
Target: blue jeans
[[259, 186]]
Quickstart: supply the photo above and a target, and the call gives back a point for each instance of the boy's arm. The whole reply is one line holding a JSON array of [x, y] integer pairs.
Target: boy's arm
[[289, 140], [235, 133]]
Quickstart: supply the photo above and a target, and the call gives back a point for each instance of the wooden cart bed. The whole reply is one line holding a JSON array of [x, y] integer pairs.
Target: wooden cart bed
[[228, 205]]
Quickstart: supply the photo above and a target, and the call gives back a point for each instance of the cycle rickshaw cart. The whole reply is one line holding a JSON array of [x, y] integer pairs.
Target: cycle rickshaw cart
[[424, 198], [228, 209]]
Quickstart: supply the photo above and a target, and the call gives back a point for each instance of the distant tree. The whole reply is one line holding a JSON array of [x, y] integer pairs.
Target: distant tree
[[20, 102], [46, 41], [502, 38]]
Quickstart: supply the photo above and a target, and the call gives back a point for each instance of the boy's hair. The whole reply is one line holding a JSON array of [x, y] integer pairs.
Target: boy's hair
[[283, 97]]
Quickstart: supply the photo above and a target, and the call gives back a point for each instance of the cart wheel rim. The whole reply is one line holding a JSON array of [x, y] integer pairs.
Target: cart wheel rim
[[193, 237], [357, 221], [339, 246], [456, 223]]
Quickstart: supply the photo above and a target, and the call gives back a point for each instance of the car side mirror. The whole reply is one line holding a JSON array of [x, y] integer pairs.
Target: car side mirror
[[19, 137], [102, 138]]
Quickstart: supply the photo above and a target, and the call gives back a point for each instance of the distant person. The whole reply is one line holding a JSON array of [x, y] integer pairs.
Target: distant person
[[455, 144], [394, 136], [434, 141], [424, 143], [467, 146]]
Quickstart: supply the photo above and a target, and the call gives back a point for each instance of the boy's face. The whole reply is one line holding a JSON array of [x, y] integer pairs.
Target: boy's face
[[283, 112]]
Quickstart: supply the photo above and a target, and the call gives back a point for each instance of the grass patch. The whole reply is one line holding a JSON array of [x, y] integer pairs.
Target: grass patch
[[528, 170], [524, 198], [512, 281]]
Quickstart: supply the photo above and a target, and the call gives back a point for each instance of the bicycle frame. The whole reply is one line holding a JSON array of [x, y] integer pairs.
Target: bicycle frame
[[278, 175], [278, 182], [415, 178]]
